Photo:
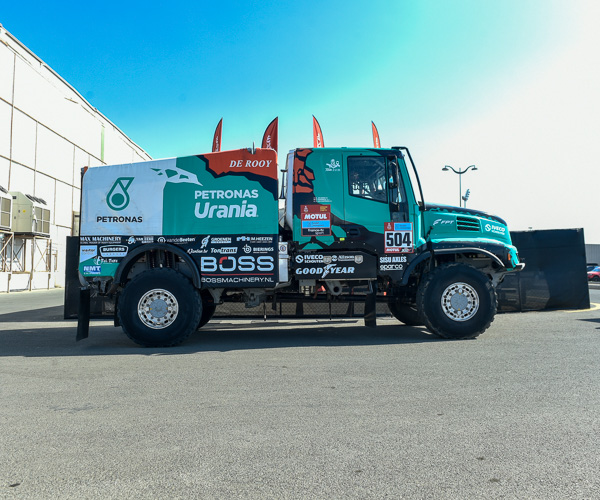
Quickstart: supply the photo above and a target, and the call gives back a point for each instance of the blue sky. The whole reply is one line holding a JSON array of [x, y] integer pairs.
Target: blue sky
[[458, 81]]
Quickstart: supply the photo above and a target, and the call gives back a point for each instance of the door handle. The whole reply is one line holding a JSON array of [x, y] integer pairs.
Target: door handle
[[352, 231]]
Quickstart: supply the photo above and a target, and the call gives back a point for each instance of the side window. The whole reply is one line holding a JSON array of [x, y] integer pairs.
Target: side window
[[367, 178]]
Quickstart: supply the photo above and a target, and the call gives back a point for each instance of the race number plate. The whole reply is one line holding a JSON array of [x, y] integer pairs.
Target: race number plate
[[398, 237]]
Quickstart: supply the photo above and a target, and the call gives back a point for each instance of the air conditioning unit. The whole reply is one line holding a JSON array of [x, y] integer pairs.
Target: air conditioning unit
[[5, 210], [30, 215]]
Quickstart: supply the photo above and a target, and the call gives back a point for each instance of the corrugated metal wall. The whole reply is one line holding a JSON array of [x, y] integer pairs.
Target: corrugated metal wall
[[592, 254]]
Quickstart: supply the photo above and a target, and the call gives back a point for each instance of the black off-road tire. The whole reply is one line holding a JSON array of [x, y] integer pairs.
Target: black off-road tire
[[405, 313], [159, 308], [456, 301], [208, 309]]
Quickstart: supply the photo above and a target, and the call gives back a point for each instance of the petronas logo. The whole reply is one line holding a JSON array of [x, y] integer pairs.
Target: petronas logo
[[118, 198]]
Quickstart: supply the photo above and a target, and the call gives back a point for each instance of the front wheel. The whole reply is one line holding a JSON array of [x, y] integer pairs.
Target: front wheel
[[456, 301], [159, 308]]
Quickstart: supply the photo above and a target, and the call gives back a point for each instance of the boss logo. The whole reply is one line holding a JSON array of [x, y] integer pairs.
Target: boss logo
[[229, 264]]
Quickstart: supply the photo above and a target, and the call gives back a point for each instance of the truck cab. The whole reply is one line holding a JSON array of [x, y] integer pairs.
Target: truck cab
[[351, 199]]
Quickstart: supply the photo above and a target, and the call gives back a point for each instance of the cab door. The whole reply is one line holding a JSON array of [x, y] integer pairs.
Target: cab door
[[373, 197]]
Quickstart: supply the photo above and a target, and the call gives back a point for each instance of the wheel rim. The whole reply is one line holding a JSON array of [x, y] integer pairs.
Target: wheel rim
[[460, 301], [158, 308]]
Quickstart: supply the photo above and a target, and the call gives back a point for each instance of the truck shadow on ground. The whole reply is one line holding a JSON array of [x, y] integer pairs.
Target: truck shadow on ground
[[592, 320], [54, 313], [58, 338]]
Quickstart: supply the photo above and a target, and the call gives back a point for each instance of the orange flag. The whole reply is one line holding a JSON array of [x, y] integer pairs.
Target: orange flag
[[217, 138], [270, 136], [376, 141], [317, 134]]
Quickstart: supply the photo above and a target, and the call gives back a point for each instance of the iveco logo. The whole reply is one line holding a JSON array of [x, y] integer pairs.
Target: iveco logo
[[491, 228]]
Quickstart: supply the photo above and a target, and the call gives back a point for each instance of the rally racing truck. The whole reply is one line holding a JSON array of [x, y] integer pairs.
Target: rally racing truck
[[170, 240]]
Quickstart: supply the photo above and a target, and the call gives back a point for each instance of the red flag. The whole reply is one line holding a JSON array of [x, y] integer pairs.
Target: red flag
[[317, 134], [217, 138], [376, 141], [270, 137]]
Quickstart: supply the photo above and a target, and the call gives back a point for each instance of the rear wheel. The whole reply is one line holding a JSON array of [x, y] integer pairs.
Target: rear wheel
[[456, 301], [595, 278], [405, 313], [159, 308]]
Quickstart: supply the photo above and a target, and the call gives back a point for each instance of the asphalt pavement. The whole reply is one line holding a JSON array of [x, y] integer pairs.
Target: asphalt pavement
[[299, 409]]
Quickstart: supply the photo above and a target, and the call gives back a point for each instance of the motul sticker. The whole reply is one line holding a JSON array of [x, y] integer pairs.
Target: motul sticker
[[398, 237], [315, 220]]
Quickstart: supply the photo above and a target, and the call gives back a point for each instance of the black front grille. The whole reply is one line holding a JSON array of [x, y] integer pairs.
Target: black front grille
[[467, 224]]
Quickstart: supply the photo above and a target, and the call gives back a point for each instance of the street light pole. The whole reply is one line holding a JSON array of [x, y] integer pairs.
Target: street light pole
[[459, 172]]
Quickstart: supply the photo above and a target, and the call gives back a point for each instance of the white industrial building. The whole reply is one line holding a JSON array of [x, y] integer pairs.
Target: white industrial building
[[48, 132]]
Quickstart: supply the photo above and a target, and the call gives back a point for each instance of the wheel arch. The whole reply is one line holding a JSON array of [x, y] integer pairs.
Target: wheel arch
[[472, 250], [436, 252], [135, 255]]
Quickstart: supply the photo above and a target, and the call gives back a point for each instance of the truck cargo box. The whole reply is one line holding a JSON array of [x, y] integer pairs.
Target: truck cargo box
[[216, 207]]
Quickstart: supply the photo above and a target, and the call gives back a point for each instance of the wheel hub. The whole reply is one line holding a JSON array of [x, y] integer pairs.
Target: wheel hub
[[158, 308], [460, 301]]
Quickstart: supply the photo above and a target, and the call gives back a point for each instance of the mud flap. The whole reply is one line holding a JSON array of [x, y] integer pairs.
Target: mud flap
[[371, 307], [83, 314]]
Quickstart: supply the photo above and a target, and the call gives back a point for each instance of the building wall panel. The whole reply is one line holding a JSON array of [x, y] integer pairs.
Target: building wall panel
[[4, 170], [116, 148], [21, 178], [34, 95], [63, 206], [82, 159], [45, 188], [54, 155], [7, 62], [23, 139], [59, 247], [5, 121], [56, 106], [39, 98], [85, 130], [19, 282], [79, 125]]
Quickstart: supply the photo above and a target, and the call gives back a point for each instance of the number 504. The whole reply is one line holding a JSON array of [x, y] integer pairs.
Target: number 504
[[398, 239]]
